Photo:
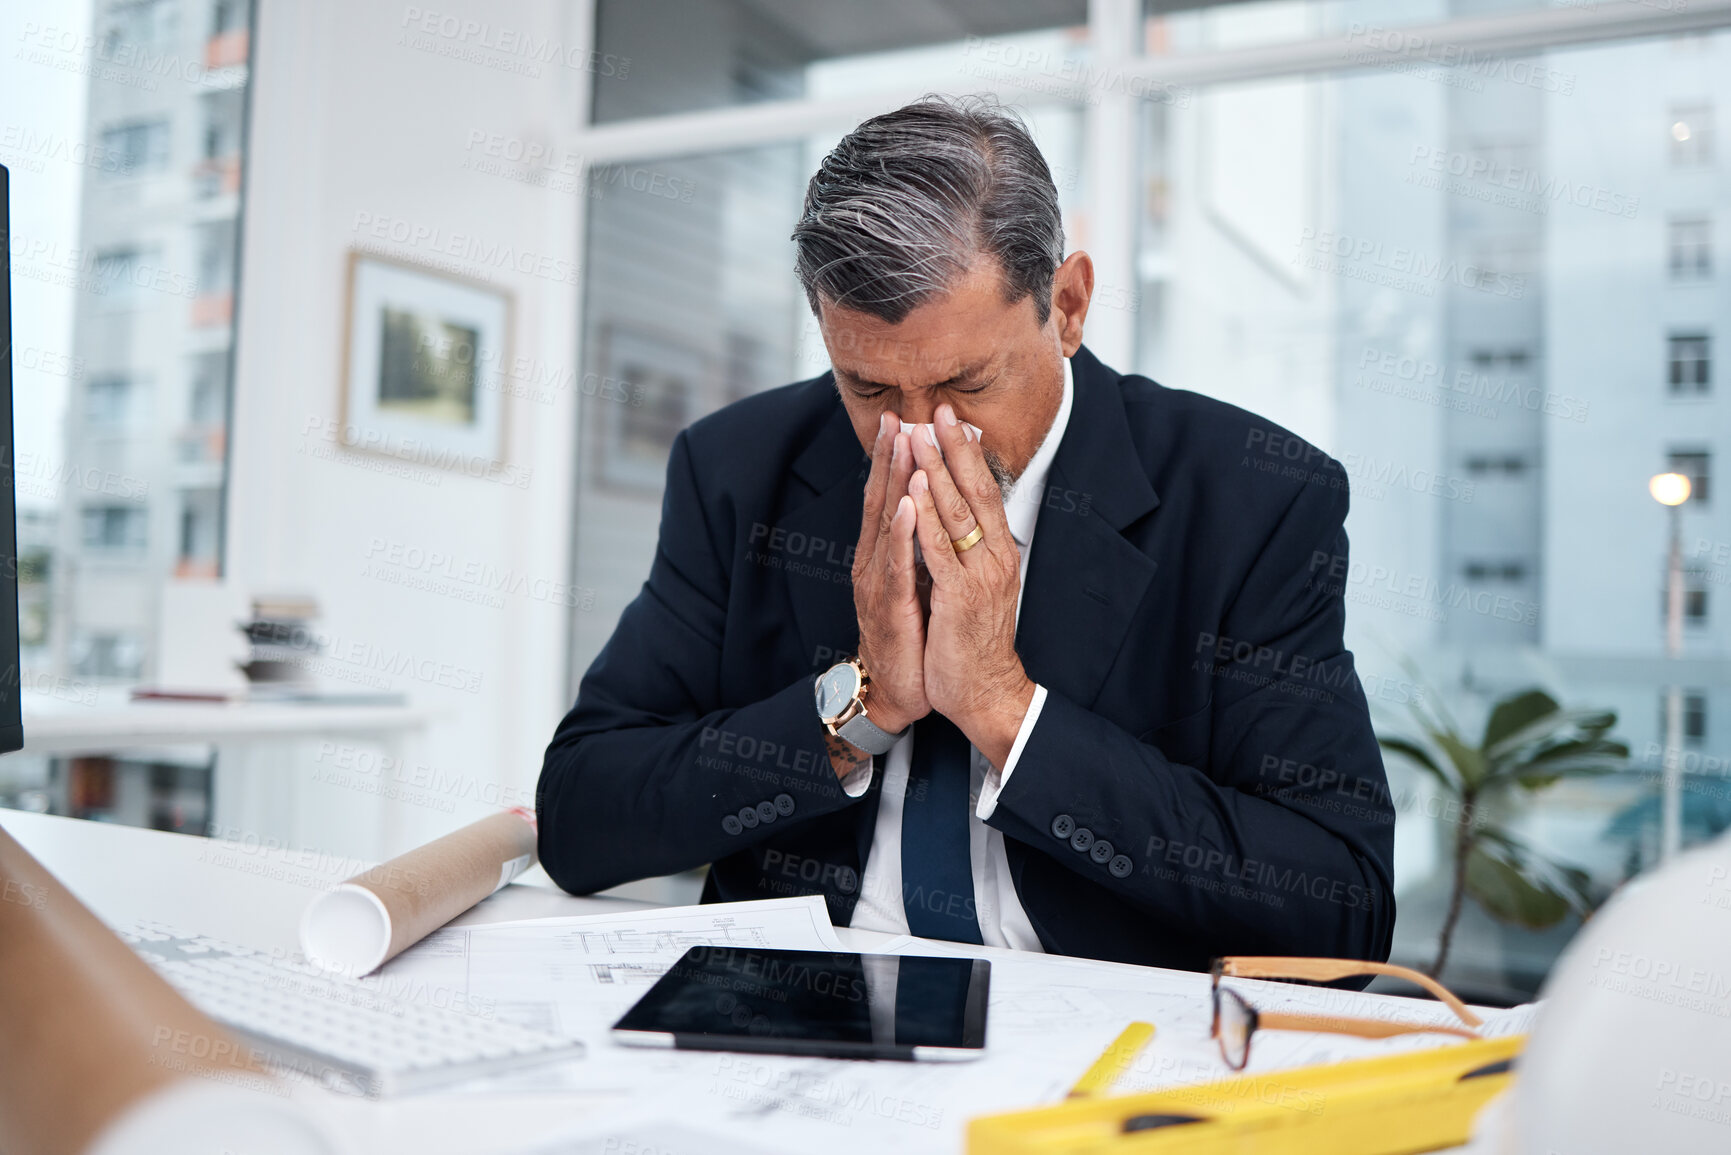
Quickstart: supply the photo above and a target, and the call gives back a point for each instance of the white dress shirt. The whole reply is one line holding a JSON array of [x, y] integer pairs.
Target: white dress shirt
[[200, 1116], [1002, 920]]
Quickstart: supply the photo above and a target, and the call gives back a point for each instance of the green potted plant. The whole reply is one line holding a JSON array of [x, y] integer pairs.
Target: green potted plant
[[1529, 742]]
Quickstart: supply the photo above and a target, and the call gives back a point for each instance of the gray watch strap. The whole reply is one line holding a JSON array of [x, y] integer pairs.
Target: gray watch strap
[[867, 735]]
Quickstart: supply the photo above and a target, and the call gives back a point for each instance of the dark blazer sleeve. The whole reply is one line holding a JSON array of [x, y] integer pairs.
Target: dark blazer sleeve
[[649, 772], [1281, 843]]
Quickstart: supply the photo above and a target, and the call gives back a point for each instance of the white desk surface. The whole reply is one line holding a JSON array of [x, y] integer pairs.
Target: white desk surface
[[102, 721], [254, 896]]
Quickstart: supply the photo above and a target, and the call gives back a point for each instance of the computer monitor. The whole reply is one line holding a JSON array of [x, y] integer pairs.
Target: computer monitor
[[11, 724]]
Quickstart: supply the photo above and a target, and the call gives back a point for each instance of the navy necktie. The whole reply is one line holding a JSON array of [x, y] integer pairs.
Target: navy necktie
[[937, 869]]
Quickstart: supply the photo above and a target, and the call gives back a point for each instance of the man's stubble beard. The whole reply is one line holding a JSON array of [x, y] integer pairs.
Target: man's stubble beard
[[1000, 473]]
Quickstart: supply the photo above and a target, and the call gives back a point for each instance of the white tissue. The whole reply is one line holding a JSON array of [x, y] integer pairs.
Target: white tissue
[[909, 427]]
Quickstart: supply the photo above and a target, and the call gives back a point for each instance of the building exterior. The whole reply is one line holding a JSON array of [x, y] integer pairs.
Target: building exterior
[[146, 424]]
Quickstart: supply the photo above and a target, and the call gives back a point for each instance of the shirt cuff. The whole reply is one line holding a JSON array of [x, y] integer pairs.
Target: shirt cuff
[[997, 779], [858, 780]]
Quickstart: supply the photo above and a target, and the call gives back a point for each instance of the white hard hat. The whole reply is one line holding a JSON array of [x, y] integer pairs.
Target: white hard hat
[[1631, 1049]]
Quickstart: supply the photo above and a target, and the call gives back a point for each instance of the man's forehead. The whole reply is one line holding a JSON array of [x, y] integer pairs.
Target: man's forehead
[[901, 362], [952, 336]]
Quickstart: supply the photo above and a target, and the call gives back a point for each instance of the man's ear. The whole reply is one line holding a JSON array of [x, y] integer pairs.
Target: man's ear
[[1072, 289]]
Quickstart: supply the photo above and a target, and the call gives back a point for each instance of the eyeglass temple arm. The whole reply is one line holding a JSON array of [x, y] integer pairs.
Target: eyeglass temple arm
[[1329, 969], [1364, 1028]]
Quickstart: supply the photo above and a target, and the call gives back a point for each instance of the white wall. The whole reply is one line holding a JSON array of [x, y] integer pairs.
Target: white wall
[[352, 121]]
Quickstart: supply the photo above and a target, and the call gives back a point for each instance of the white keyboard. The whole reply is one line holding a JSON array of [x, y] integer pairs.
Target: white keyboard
[[342, 1033]]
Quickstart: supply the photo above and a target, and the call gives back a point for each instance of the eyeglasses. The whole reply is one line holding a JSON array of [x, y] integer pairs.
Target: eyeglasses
[[1235, 1020]]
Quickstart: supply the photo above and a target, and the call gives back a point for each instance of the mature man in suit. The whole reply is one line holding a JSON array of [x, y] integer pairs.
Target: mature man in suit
[[854, 671]]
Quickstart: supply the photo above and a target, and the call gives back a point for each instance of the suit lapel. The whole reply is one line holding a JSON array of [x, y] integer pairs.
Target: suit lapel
[[835, 468], [1085, 580], [821, 588]]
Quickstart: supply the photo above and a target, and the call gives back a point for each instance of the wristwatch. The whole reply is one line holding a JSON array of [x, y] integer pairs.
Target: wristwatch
[[841, 707]]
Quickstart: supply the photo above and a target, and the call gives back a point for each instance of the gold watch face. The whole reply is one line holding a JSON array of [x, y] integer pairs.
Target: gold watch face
[[836, 689]]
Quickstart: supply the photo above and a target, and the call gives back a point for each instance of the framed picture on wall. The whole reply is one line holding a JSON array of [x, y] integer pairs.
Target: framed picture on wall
[[423, 359], [652, 385]]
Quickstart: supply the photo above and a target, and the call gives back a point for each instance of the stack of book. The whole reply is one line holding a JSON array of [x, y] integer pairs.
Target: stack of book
[[285, 648]]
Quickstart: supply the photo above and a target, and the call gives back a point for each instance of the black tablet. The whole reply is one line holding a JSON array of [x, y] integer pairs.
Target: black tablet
[[803, 1002]]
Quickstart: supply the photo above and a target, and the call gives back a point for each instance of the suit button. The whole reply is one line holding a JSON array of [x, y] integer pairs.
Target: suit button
[[732, 824], [1082, 839], [1063, 826], [1120, 866], [748, 816], [766, 812], [784, 804], [1100, 851]]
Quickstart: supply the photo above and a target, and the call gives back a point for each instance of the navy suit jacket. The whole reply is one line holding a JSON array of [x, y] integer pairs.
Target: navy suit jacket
[[1202, 781]]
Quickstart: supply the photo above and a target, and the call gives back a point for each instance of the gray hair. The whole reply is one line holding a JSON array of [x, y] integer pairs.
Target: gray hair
[[902, 206]]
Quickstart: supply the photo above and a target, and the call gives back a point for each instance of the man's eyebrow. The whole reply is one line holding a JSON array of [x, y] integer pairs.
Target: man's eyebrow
[[966, 376]]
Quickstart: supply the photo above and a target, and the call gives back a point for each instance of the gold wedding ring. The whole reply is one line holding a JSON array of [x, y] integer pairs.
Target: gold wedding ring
[[964, 544]]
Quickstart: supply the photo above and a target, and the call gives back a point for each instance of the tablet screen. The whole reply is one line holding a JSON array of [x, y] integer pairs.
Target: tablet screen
[[815, 1003]]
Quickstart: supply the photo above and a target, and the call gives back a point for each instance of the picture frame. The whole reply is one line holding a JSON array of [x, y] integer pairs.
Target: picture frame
[[651, 385], [424, 352]]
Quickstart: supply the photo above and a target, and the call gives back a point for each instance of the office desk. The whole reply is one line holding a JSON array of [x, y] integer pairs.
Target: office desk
[[256, 779], [255, 897]]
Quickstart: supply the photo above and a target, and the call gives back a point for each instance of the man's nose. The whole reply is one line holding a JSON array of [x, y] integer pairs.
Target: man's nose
[[920, 410]]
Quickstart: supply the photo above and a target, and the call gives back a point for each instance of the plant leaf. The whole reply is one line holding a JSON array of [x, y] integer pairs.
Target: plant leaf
[[1416, 753], [1511, 896], [1469, 763], [1515, 713], [1550, 727]]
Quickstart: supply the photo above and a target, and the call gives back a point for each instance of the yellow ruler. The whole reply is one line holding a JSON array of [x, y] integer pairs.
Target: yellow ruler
[[1399, 1105]]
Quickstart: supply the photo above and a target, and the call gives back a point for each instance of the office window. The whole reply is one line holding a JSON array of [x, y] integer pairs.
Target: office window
[[1691, 248], [657, 57], [115, 527], [135, 149], [1689, 362], [1697, 466], [1691, 135]]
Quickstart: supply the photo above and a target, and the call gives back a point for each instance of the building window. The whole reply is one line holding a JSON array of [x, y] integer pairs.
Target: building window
[[138, 24], [138, 147], [1496, 465], [1694, 716], [1697, 466], [107, 656], [1695, 607], [106, 401], [1691, 248], [1691, 135], [122, 275], [1689, 362], [224, 17], [1494, 571], [1515, 360], [114, 527]]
